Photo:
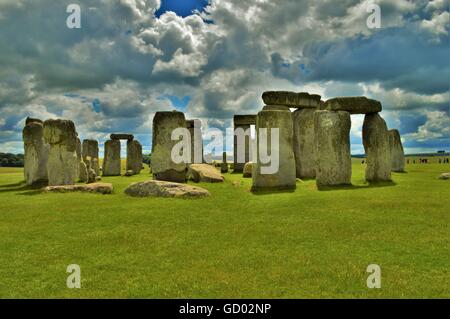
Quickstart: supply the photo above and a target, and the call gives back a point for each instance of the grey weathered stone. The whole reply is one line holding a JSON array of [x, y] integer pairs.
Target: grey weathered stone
[[128, 137], [291, 99], [204, 173], [102, 188], [90, 149], [195, 130], [112, 161], [242, 122], [36, 152], [224, 164], [444, 176], [62, 164], [163, 167], [397, 152], [332, 148], [134, 156], [284, 176], [82, 172], [376, 144], [353, 105], [304, 147], [156, 188], [248, 169]]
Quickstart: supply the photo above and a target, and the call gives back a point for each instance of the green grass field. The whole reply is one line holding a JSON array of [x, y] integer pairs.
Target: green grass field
[[302, 244]]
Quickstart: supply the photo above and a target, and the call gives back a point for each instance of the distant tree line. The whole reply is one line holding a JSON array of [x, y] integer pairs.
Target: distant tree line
[[11, 160], [147, 159]]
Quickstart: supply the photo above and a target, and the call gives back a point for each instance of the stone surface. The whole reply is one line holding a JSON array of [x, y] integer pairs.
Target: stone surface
[[165, 189], [29, 120], [62, 164], [304, 147], [248, 168], [245, 119], [82, 172], [444, 176], [378, 152], [224, 164], [283, 173], [121, 137], [353, 105], [112, 161], [90, 149], [332, 148], [92, 176], [36, 152], [291, 99], [102, 188], [195, 130], [239, 159], [397, 152], [129, 173], [163, 167], [204, 173], [134, 156]]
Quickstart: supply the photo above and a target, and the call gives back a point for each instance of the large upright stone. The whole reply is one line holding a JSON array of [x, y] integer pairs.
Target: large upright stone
[[134, 156], [62, 164], [353, 105], [194, 127], [332, 143], [111, 161], [397, 152], [376, 144], [82, 167], [242, 140], [270, 175], [163, 167], [291, 99], [304, 147], [90, 148], [35, 152]]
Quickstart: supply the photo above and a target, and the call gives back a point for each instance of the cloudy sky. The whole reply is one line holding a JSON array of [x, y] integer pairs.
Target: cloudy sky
[[213, 59]]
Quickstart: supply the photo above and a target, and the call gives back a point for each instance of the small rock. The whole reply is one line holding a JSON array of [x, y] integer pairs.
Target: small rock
[[155, 188], [248, 167], [444, 176], [102, 188], [129, 173], [204, 173]]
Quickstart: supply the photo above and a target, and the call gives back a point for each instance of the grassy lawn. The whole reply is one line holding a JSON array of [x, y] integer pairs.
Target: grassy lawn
[[302, 244]]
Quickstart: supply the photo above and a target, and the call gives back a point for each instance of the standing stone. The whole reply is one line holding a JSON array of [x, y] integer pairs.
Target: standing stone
[[112, 160], [224, 164], [35, 152], [304, 147], [332, 140], [397, 153], [242, 122], [376, 144], [275, 117], [62, 164], [134, 156], [82, 167], [90, 149], [163, 167], [194, 127]]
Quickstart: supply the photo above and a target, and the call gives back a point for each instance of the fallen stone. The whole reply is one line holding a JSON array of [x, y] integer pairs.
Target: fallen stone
[[444, 176], [291, 99], [204, 173], [248, 168], [353, 105], [156, 188], [102, 188]]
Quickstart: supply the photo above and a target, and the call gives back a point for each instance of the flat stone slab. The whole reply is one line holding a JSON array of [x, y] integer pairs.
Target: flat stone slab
[[154, 188], [291, 99], [102, 188], [444, 176], [128, 137], [353, 105], [204, 173]]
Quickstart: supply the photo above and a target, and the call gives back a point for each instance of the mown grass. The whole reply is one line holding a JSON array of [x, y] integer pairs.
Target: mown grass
[[302, 244]]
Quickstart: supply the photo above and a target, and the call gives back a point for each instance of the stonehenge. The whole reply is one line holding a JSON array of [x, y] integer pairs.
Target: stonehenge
[[276, 170], [242, 123], [332, 148], [112, 161], [35, 152], [304, 150], [162, 164], [90, 149], [134, 156], [376, 144], [62, 164], [397, 153]]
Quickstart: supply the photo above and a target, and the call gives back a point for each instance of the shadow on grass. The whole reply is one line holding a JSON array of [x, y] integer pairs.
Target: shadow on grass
[[268, 191], [34, 189], [13, 185], [350, 187]]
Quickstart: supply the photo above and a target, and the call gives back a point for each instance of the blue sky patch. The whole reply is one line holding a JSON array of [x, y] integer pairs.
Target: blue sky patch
[[182, 8]]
